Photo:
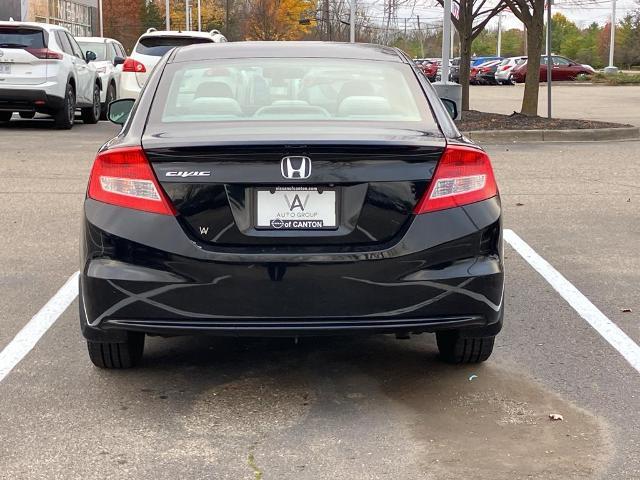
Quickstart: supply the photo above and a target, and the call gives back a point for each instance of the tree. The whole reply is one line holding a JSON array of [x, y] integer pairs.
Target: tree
[[531, 14], [278, 19], [628, 40], [473, 16]]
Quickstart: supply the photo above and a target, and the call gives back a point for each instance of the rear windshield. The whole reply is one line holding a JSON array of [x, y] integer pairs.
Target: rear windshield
[[17, 37], [100, 49], [158, 46], [290, 89]]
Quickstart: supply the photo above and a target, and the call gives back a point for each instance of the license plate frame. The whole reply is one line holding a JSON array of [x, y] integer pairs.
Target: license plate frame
[[5, 68], [299, 217]]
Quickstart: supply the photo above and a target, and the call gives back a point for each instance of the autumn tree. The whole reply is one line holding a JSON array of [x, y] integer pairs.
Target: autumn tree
[[473, 16], [531, 14], [278, 19]]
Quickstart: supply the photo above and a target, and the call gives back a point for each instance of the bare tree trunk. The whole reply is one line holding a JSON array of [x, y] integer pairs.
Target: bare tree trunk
[[465, 66], [534, 50]]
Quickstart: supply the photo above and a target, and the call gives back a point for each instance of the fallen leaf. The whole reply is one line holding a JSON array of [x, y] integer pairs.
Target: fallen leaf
[[556, 417], [519, 204], [626, 310]]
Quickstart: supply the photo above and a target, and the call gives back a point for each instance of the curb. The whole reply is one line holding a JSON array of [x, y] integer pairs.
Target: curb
[[575, 135]]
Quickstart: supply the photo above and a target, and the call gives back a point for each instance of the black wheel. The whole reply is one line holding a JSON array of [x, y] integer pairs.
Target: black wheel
[[27, 115], [117, 355], [91, 114], [5, 116], [111, 96], [64, 117], [456, 349]]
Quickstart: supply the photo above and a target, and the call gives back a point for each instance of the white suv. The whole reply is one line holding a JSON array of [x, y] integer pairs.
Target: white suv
[[44, 70], [110, 55], [151, 46]]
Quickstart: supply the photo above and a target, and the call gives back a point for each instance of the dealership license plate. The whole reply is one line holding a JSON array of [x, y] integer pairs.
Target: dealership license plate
[[296, 208], [5, 68]]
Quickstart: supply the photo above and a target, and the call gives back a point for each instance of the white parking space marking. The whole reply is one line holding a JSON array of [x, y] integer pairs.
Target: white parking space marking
[[27, 338], [581, 304]]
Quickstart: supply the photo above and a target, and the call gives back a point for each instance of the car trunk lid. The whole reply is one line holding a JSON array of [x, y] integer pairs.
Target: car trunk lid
[[362, 183], [20, 47]]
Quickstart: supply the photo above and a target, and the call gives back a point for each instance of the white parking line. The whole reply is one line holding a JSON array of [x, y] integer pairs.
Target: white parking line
[[581, 304], [27, 338]]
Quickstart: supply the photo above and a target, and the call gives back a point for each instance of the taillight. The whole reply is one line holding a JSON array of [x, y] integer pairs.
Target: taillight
[[44, 53], [123, 177], [131, 65], [485, 69], [503, 68], [463, 175]]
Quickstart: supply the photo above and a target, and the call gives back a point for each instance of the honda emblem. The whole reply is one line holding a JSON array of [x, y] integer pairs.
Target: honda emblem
[[294, 167]]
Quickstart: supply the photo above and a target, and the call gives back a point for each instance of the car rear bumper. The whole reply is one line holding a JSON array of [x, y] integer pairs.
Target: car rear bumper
[[28, 100], [143, 273]]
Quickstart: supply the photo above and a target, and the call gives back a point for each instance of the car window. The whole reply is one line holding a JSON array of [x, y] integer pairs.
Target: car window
[[157, 46], [113, 51], [290, 89], [560, 61], [123, 52], [77, 51], [63, 42], [99, 48], [20, 37]]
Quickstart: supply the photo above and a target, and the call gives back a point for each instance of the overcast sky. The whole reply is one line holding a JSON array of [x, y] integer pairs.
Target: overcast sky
[[582, 12]]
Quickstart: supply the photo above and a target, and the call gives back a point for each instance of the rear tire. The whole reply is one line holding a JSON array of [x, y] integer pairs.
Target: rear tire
[[117, 355], [456, 349], [27, 115], [111, 95], [91, 115], [65, 117], [5, 116]]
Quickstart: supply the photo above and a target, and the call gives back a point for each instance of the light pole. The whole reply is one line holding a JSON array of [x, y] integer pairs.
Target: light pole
[[167, 16], [612, 42], [446, 41], [499, 34], [549, 64], [352, 22], [199, 18], [100, 13]]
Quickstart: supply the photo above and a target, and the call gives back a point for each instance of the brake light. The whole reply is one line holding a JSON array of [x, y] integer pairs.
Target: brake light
[[485, 69], [123, 177], [131, 65], [44, 53], [463, 175], [503, 68]]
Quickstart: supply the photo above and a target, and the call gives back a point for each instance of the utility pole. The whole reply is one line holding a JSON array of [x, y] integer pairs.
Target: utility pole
[[499, 34], [226, 17], [421, 39], [167, 16], [352, 22], [199, 18], [549, 63], [186, 15], [612, 42]]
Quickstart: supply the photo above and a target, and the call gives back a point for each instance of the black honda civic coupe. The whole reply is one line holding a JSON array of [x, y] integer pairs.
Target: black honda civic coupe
[[289, 189]]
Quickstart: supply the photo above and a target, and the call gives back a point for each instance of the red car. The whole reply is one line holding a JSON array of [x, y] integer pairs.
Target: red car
[[563, 69], [430, 69]]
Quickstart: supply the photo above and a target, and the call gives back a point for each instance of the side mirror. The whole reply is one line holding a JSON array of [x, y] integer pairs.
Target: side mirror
[[90, 56], [451, 107], [119, 110], [118, 61]]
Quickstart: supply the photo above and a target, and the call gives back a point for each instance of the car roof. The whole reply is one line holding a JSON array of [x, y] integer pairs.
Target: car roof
[[179, 33], [362, 51], [96, 39], [44, 26]]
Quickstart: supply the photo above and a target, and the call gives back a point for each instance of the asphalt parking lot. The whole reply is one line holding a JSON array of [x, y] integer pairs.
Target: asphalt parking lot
[[368, 408]]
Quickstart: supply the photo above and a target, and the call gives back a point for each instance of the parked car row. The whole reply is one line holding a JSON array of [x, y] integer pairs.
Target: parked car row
[[44, 69], [505, 71]]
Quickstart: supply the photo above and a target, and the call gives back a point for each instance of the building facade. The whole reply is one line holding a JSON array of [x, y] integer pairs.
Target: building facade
[[80, 17]]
